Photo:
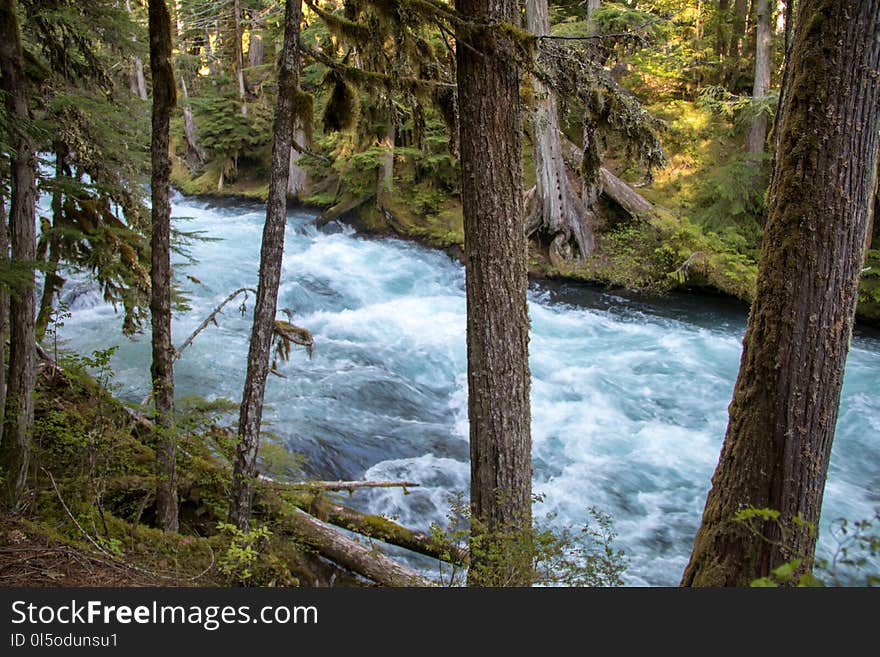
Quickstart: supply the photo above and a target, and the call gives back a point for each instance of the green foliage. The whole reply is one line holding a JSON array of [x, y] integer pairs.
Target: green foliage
[[241, 556], [869, 287], [226, 132], [553, 556], [857, 546], [248, 558]]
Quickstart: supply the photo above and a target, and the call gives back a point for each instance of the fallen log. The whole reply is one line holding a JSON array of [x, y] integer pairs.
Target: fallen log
[[351, 555], [611, 186], [624, 195], [350, 486], [382, 529]]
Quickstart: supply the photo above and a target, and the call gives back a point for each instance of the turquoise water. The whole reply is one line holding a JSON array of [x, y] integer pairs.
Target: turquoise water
[[629, 397]]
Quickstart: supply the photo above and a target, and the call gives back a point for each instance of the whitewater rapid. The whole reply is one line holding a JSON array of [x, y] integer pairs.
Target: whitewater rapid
[[629, 399]]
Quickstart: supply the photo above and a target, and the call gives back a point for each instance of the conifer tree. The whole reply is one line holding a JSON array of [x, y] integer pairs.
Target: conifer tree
[[784, 410], [15, 444], [162, 369]]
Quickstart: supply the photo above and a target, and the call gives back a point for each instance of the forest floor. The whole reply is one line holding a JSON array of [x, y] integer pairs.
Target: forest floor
[[29, 556]]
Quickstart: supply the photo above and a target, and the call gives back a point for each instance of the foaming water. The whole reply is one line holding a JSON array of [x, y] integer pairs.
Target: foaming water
[[629, 398]]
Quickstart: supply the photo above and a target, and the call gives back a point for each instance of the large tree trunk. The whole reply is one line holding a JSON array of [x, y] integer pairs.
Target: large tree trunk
[[496, 281], [162, 370], [245, 468], [763, 52], [19, 415], [558, 213], [785, 402]]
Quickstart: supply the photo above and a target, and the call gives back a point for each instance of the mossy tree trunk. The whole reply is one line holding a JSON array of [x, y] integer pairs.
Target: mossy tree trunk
[[496, 282], [162, 369], [763, 52], [245, 467], [785, 402], [19, 415], [558, 214]]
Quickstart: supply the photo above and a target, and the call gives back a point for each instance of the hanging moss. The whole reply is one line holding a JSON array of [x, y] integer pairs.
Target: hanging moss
[[339, 111], [304, 113]]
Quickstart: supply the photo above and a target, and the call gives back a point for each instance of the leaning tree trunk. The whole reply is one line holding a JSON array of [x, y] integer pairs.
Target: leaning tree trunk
[[763, 52], [245, 468], [19, 416], [558, 213], [162, 370], [496, 281], [785, 402]]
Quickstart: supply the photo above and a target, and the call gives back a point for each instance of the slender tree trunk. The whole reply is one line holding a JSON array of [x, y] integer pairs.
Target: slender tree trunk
[[255, 46], [138, 83], [557, 214], [296, 176], [162, 370], [763, 53], [237, 57], [721, 37], [19, 416], [496, 282], [785, 402], [53, 282], [4, 310], [386, 174], [195, 152], [735, 45], [245, 468]]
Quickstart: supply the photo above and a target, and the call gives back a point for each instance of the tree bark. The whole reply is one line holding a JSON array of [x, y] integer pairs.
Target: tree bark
[[255, 49], [19, 415], [245, 467], [386, 173], [785, 403], [763, 52], [296, 176], [496, 282], [558, 214], [162, 369]]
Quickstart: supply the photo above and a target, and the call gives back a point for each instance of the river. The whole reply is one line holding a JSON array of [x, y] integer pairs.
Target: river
[[629, 396]]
